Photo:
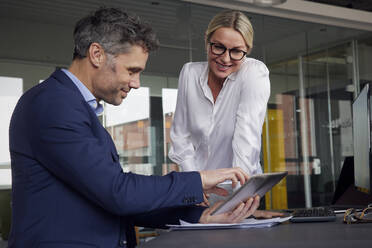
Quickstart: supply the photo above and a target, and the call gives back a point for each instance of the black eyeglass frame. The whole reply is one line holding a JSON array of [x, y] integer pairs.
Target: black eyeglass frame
[[224, 50]]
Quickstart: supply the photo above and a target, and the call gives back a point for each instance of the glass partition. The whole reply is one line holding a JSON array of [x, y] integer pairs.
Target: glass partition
[[364, 60], [308, 129]]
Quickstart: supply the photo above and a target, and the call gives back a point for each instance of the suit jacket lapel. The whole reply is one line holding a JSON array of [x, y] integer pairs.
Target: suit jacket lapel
[[61, 77]]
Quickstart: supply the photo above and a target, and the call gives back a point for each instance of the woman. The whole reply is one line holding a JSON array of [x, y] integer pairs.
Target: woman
[[221, 103]]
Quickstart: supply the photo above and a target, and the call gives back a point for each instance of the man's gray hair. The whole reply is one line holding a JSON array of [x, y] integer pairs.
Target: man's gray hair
[[114, 30]]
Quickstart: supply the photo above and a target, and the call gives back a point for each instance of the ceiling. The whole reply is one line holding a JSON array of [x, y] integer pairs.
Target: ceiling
[[170, 18], [365, 5], [161, 13], [176, 22]]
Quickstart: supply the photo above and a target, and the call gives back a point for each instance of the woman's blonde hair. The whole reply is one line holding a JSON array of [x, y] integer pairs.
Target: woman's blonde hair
[[231, 19]]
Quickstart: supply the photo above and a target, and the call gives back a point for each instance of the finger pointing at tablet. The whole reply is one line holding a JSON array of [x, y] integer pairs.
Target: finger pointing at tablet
[[211, 178]]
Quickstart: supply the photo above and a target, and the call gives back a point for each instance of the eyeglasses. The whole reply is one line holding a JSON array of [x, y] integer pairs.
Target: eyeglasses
[[219, 49], [352, 216]]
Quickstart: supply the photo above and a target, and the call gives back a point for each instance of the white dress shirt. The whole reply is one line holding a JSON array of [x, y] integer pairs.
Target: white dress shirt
[[209, 135]]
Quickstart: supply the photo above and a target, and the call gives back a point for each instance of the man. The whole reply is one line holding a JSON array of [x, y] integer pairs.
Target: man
[[68, 186]]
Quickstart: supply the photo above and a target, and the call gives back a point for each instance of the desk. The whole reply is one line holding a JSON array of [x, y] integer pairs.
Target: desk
[[317, 234]]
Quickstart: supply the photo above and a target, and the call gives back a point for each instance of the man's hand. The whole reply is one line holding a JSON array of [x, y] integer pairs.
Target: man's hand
[[211, 178], [242, 211], [205, 202]]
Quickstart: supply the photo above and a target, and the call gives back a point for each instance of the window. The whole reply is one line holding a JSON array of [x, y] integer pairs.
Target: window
[[129, 126], [169, 97]]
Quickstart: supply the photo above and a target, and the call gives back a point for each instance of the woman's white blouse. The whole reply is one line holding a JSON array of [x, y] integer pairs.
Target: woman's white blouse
[[207, 135]]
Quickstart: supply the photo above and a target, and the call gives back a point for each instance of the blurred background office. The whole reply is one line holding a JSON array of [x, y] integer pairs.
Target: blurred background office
[[319, 54]]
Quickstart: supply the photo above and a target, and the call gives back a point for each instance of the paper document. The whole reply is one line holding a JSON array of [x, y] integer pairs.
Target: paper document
[[247, 223], [256, 185]]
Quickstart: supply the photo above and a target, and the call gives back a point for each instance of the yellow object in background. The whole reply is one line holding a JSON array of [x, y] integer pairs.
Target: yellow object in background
[[273, 146]]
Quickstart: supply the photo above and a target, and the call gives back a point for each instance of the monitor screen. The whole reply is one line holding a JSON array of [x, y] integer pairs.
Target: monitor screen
[[361, 140]]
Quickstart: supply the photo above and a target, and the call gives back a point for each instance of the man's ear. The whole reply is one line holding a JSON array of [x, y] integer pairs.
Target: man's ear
[[96, 54]]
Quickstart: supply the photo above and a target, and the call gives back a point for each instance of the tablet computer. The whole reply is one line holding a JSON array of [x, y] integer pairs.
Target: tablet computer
[[256, 185]]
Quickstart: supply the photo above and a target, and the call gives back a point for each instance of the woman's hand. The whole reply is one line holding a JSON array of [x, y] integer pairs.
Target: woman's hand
[[242, 211], [263, 214]]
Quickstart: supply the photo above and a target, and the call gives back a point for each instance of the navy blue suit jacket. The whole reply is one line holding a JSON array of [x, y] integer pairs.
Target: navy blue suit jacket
[[68, 186]]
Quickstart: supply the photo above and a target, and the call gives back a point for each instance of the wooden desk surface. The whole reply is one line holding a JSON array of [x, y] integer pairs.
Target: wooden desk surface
[[316, 234]]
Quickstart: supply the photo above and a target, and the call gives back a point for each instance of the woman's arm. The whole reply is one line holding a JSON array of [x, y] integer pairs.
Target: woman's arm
[[182, 151], [251, 112]]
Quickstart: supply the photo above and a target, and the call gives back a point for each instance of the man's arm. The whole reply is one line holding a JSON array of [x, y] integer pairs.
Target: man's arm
[[197, 214], [79, 152]]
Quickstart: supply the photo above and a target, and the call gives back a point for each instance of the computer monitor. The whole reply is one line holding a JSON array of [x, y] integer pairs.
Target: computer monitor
[[362, 140]]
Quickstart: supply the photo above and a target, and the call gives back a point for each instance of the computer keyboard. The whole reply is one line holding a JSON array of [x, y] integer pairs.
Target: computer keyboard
[[313, 214]]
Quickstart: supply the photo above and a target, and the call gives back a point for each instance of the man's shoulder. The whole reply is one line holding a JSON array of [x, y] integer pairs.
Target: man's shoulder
[[50, 96], [53, 88]]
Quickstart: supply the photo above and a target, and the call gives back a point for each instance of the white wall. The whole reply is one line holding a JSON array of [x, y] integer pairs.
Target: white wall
[[10, 91]]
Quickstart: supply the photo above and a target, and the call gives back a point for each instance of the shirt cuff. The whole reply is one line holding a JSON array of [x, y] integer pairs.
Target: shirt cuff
[[188, 165]]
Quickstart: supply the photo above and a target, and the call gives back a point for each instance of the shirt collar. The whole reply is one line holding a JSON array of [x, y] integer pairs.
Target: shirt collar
[[88, 96]]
